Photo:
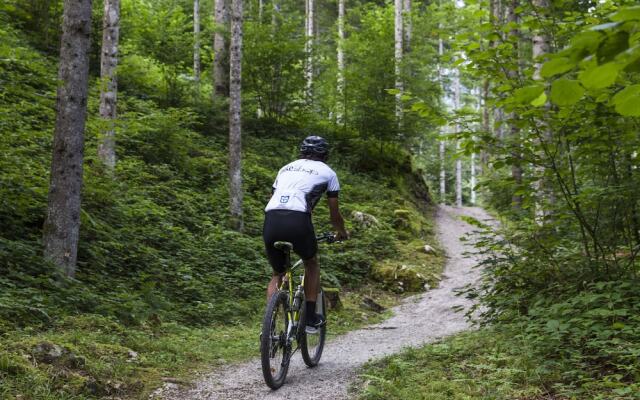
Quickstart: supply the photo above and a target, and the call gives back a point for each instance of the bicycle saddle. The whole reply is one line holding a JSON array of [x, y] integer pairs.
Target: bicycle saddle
[[284, 246]]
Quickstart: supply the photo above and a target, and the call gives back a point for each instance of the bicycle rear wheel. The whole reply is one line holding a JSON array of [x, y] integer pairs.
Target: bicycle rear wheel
[[275, 352], [312, 344]]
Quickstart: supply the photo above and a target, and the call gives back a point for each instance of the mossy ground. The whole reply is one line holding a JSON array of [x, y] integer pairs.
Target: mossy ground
[[131, 362]]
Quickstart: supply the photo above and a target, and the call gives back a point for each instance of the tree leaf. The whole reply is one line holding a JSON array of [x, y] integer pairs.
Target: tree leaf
[[627, 101], [627, 14], [599, 77], [612, 45], [566, 92], [540, 100], [527, 94], [556, 66]]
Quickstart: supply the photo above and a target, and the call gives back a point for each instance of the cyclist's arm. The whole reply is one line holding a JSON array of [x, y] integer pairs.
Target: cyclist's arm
[[336, 218]]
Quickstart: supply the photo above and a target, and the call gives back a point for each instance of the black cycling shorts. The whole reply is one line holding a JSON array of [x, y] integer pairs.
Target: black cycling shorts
[[288, 226]]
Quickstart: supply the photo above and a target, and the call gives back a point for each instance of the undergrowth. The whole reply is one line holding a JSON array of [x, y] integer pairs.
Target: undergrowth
[[163, 286]]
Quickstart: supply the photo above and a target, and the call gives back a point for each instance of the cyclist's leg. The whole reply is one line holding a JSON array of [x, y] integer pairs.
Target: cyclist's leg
[[311, 278], [272, 232], [276, 280]]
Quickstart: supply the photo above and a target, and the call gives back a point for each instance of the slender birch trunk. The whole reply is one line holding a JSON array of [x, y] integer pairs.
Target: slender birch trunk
[[235, 127], [109, 85], [443, 149], [61, 231], [408, 26], [456, 104], [516, 168], [196, 44], [276, 12], [309, 34], [399, 86], [540, 47], [443, 173], [341, 106], [220, 56], [497, 21], [473, 155], [486, 124], [260, 10]]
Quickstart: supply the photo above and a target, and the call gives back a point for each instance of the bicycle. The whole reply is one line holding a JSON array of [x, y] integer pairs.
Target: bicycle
[[284, 322]]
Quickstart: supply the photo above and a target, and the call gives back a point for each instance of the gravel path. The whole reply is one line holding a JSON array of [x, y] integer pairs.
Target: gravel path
[[419, 319]]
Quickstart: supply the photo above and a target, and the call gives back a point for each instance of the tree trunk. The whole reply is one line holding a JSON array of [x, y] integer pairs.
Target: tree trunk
[[196, 44], [495, 9], [408, 26], [109, 83], [220, 65], [398, 60], [443, 150], [443, 173], [341, 104], [61, 229], [516, 168], [235, 127], [540, 47], [486, 124], [456, 105], [276, 13], [472, 180], [309, 18]]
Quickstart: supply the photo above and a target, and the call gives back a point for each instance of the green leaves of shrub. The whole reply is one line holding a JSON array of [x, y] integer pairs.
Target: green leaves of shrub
[[599, 77], [627, 101], [566, 92], [556, 66]]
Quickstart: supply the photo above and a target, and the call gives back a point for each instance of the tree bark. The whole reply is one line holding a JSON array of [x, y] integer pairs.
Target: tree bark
[[399, 86], [516, 168], [540, 47], [340, 57], [220, 56], [443, 150], [496, 19], [196, 44], [443, 173], [235, 127], [408, 26], [309, 34], [109, 83], [61, 229], [456, 105]]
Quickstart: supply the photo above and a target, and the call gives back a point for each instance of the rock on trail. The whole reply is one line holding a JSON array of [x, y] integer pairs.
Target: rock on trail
[[418, 320]]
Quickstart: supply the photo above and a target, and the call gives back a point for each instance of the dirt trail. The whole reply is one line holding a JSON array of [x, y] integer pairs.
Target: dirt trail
[[419, 319]]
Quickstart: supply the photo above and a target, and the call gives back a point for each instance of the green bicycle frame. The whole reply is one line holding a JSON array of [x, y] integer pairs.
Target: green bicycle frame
[[288, 279]]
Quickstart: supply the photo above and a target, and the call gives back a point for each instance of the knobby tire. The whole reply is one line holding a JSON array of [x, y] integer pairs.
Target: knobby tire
[[311, 353], [276, 313]]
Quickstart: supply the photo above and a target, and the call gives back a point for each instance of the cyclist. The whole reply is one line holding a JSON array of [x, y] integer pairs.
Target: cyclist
[[296, 191]]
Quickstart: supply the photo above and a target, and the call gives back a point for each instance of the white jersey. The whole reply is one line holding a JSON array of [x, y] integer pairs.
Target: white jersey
[[300, 185]]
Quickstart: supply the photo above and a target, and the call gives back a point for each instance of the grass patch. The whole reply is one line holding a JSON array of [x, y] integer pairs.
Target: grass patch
[[492, 363]]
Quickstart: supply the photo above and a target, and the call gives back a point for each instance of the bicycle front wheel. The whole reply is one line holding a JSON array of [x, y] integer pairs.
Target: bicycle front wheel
[[312, 344], [275, 351]]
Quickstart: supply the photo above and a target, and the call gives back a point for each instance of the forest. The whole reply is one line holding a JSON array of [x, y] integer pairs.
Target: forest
[[139, 140]]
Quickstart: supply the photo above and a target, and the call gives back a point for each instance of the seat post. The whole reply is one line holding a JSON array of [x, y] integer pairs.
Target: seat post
[[287, 259]]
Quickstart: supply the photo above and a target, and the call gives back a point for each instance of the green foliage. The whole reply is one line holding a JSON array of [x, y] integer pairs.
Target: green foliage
[[496, 363], [159, 273]]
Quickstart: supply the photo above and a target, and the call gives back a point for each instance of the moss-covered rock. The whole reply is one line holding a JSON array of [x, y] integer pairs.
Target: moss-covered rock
[[399, 277]]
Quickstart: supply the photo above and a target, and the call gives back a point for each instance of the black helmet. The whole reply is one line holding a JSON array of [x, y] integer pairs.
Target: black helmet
[[314, 145]]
